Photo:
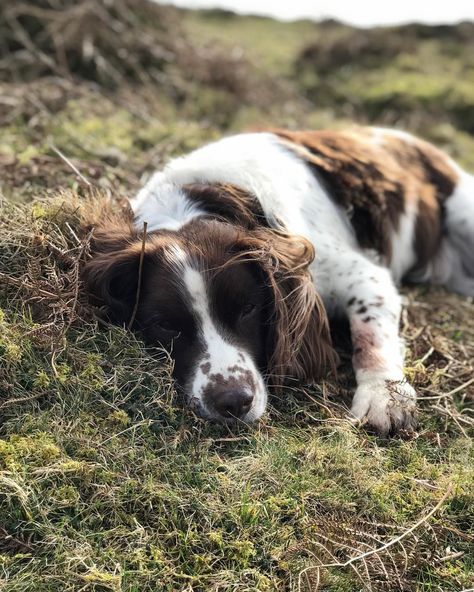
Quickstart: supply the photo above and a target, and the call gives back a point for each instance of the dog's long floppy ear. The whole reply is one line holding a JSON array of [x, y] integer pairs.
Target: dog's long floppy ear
[[111, 276], [299, 342]]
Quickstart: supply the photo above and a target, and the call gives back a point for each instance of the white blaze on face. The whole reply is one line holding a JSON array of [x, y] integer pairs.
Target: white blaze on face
[[222, 361]]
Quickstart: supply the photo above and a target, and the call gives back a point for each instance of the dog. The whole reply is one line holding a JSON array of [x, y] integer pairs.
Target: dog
[[254, 241]]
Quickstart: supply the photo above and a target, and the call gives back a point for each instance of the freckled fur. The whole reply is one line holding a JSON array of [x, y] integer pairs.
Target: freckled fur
[[376, 176]]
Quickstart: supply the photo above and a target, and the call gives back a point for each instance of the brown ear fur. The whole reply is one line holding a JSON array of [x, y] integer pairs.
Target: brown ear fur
[[111, 276], [300, 339]]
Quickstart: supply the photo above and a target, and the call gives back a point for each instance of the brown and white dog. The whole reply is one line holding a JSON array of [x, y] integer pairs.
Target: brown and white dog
[[255, 240]]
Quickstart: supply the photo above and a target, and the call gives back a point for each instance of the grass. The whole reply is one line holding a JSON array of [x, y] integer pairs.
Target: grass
[[273, 45], [106, 482]]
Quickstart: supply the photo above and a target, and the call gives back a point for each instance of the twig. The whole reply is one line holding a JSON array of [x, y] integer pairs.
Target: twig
[[74, 235], [27, 286], [71, 165], [140, 270], [72, 308], [426, 356], [19, 400], [460, 387]]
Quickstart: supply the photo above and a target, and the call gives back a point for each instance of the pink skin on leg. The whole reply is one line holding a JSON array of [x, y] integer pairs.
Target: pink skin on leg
[[383, 398], [366, 347]]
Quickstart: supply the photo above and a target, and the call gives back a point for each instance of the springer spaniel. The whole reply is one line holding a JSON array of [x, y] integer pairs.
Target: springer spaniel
[[253, 241]]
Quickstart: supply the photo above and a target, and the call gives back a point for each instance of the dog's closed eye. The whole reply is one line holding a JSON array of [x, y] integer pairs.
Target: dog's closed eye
[[166, 328], [248, 310]]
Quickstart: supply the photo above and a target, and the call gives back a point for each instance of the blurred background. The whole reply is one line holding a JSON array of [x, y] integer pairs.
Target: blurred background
[[119, 86]]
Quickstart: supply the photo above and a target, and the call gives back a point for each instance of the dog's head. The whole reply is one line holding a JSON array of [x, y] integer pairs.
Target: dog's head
[[235, 307]]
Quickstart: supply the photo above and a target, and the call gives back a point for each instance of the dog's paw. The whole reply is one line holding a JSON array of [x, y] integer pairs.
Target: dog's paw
[[388, 406]]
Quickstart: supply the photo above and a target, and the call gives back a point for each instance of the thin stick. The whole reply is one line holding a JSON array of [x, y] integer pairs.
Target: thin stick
[[25, 285], [19, 400], [140, 270], [460, 388], [71, 165]]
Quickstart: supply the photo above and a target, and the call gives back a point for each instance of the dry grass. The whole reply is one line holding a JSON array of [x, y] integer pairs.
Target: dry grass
[[95, 40]]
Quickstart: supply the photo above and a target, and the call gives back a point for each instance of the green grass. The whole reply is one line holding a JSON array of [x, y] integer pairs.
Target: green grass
[[107, 485], [272, 45], [106, 482]]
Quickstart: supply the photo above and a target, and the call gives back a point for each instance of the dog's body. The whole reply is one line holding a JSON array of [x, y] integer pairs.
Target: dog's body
[[232, 228]]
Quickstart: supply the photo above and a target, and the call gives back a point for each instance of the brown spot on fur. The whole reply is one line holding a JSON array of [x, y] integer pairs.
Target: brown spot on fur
[[218, 384], [375, 180], [227, 202], [205, 368]]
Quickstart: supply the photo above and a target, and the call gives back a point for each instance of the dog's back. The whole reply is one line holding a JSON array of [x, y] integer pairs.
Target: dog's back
[[402, 199], [405, 198]]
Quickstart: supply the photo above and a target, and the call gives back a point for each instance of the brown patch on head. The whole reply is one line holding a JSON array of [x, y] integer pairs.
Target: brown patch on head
[[227, 202], [374, 175], [112, 275]]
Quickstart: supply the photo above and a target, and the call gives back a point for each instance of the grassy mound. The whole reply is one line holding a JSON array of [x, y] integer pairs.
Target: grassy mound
[[107, 484], [124, 42]]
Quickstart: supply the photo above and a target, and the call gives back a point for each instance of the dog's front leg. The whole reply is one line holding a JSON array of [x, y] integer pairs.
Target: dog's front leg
[[383, 398]]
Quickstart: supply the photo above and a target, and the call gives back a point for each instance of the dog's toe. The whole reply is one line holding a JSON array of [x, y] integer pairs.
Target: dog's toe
[[386, 406]]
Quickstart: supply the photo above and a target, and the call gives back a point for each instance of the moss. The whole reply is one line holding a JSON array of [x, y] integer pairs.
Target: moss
[[81, 129]]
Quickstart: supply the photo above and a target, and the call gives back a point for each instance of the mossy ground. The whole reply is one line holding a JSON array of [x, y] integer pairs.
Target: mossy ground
[[106, 483]]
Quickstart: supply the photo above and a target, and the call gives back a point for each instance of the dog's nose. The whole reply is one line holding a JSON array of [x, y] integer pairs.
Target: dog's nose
[[233, 403]]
